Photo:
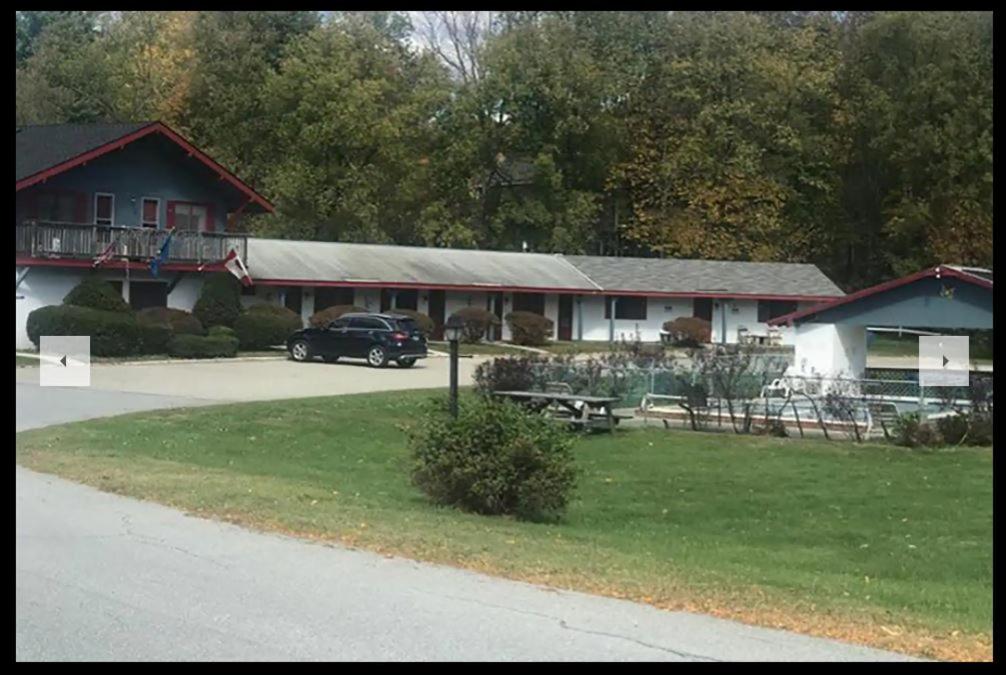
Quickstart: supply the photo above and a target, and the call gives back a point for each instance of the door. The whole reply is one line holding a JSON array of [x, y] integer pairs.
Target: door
[[565, 317], [294, 299], [437, 308], [495, 305], [702, 308], [362, 334], [386, 297], [334, 340]]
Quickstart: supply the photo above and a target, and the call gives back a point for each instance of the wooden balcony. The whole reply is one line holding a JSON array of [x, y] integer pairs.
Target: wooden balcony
[[44, 239]]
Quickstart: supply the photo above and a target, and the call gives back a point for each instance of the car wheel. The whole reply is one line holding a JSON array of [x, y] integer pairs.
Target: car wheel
[[376, 357], [406, 363], [300, 351]]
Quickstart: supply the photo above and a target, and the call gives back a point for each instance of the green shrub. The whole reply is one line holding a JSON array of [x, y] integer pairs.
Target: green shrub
[[263, 326], [203, 347], [688, 331], [221, 331], [495, 458], [508, 373], [476, 322], [329, 314], [424, 323], [178, 321], [154, 338], [219, 302], [528, 328], [96, 293], [112, 333], [911, 431]]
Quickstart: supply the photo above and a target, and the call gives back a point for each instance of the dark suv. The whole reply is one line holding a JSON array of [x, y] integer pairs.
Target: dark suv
[[379, 338]]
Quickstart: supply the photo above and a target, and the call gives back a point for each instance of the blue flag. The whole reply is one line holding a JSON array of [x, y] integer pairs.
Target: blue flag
[[162, 255]]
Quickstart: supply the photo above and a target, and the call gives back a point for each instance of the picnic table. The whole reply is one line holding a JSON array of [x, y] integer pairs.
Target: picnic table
[[594, 412]]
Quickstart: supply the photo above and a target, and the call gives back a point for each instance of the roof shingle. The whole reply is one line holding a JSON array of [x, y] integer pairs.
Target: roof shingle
[[40, 147]]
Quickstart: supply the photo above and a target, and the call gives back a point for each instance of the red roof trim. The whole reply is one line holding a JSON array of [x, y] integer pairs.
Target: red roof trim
[[152, 128], [937, 272]]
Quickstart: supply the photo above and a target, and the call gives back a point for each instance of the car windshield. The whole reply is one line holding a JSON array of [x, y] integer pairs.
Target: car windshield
[[406, 325]]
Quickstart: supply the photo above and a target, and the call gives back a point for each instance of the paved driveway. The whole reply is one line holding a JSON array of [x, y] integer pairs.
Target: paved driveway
[[104, 577]]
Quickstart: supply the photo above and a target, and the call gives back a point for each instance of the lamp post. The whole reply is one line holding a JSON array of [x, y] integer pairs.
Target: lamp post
[[452, 332]]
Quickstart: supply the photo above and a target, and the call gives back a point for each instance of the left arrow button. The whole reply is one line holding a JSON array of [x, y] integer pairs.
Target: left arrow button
[[63, 360]]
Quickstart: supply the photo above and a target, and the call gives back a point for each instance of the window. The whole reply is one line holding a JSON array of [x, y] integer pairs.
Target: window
[[104, 208], [329, 296], [150, 212], [407, 299], [770, 309], [529, 302], [189, 216], [143, 294], [631, 307], [367, 323], [702, 308], [247, 290], [338, 323], [58, 206]]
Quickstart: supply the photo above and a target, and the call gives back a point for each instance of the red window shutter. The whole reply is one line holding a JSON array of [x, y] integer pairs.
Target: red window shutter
[[211, 225], [171, 215], [80, 208]]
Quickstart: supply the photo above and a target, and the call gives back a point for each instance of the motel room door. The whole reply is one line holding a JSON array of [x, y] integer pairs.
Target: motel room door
[[566, 317], [494, 303], [437, 309]]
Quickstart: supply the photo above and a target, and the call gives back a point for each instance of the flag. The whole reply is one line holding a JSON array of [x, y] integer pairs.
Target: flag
[[232, 263], [108, 254], [162, 255]]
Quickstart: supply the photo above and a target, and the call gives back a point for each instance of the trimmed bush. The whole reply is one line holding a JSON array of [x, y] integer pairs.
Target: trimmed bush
[[264, 326], [688, 331], [966, 429], [329, 314], [203, 347], [96, 293], [476, 323], [507, 373], [911, 431], [222, 331], [495, 458], [154, 338], [528, 328], [424, 323], [178, 321], [219, 302], [112, 333]]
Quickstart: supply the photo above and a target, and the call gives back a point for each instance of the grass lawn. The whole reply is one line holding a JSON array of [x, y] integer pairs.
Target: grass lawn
[[889, 344], [25, 361], [870, 543]]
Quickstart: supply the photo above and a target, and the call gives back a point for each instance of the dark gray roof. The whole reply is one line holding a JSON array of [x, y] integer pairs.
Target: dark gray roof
[[670, 275], [37, 148]]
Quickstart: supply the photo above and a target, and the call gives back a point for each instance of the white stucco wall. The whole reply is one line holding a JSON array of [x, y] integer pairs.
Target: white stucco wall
[[658, 310], [829, 349], [42, 286], [185, 293]]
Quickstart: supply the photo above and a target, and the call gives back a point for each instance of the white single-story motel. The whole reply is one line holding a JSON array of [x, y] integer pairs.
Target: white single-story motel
[[82, 190]]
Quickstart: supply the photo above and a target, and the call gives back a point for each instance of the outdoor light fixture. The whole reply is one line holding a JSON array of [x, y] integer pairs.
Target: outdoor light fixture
[[452, 332]]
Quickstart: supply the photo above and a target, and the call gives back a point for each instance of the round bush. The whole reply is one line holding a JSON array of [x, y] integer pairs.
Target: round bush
[[219, 302], [528, 328], [329, 314], [178, 321], [495, 458], [112, 333], [203, 347], [424, 323], [476, 322], [264, 326], [508, 373], [221, 331], [688, 331], [96, 293]]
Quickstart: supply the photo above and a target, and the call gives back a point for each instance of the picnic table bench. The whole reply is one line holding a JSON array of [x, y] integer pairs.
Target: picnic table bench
[[582, 410]]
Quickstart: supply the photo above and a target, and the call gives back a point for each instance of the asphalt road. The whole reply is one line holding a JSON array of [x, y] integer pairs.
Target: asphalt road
[[103, 577]]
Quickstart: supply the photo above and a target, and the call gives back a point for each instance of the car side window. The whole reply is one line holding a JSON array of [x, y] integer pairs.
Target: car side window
[[338, 324], [366, 323]]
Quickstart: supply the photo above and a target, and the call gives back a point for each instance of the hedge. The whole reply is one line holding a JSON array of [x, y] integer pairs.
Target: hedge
[[112, 333], [203, 347], [528, 328], [476, 322], [424, 323], [264, 326], [688, 331], [219, 302], [178, 321], [326, 316], [96, 293]]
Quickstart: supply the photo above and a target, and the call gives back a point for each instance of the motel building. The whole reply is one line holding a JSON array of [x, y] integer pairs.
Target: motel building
[[83, 189]]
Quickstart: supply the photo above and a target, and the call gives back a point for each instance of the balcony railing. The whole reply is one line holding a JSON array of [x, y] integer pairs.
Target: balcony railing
[[45, 239]]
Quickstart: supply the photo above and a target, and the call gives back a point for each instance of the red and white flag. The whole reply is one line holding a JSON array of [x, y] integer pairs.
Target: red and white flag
[[235, 266], [107, 254]]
